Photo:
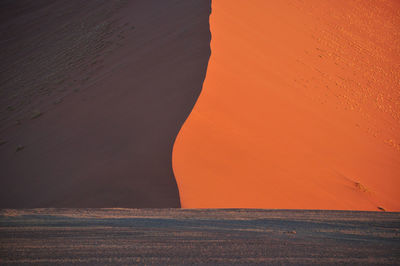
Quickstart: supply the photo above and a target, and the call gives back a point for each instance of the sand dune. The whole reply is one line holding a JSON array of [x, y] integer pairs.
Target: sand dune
[[300, 108], [93, 94]]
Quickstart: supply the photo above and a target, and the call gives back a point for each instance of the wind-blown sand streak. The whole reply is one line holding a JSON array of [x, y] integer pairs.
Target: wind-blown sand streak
[[300, 108]]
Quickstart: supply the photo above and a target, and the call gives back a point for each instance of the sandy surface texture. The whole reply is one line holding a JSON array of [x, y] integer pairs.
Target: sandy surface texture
[[206, 237], [92, 96], [300, 108]]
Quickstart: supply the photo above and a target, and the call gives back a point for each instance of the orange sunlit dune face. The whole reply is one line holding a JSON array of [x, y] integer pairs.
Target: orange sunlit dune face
[[300, 108]]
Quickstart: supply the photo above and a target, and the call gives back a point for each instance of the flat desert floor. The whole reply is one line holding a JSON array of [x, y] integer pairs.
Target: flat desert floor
[[202, 236]]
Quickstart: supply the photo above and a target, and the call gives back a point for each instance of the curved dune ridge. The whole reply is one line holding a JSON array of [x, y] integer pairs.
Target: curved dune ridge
[[300, 108]]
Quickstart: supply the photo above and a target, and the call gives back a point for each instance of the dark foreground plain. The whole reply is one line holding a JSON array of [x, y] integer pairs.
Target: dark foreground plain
[[175, 236]]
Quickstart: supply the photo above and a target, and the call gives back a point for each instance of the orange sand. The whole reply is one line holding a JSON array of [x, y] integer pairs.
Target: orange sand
[[300, 108]]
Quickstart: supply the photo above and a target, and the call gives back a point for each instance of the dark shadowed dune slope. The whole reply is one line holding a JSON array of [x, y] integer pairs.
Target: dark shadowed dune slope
[[92, 96]]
